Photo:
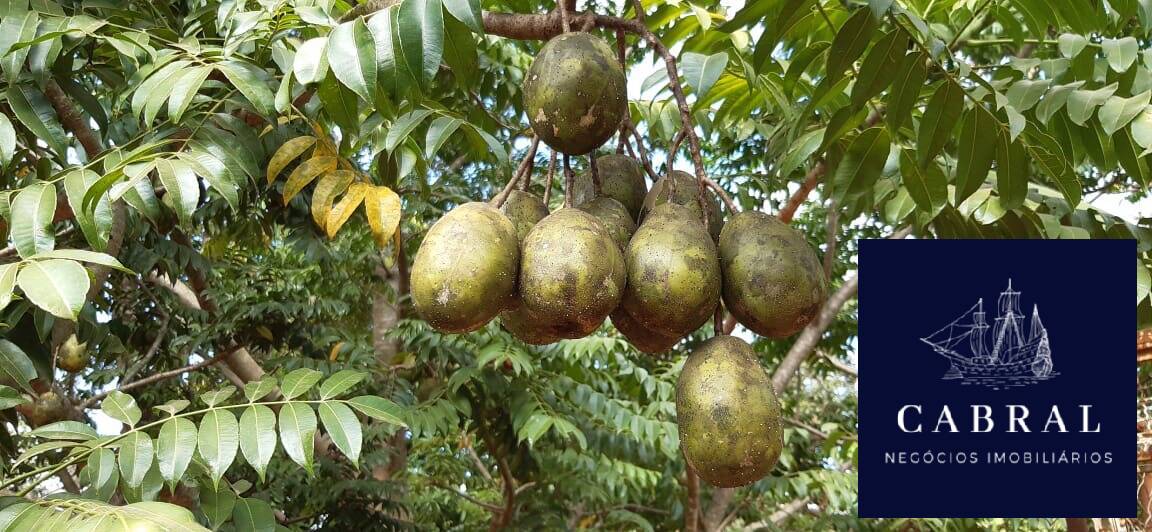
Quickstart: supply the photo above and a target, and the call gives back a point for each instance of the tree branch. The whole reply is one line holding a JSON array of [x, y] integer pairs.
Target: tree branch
[[839, 365], [487, 506], [156, 377], [811, 334]]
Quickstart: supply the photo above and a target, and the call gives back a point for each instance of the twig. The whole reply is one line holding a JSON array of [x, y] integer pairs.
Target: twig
[[732, 208], [156, 378], [595, 172], [498, 200], [810, 182], [152, 350], [479, 464], [839, 365], [718, 321], [560, 5], [675, 146], [551, 176], [692, 506], [833, 230], [569, 179], [644, 161], [622, 55], [487, 506]]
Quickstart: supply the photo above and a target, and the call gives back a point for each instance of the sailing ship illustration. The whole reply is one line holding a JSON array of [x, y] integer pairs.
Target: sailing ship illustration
[[1012, 353]]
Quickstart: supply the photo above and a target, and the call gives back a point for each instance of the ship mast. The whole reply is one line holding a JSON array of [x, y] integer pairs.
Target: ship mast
[[1006, 324], [976, 339]]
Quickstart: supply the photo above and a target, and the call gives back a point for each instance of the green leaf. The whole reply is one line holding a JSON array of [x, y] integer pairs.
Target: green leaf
[[1142, 129], [403, 127], [311, 62], [928, 187], [850, 41], [250, 82], [217, 503], [1118, 112], [181, 185], [940, 117], [906, 85], [352, 57], [1071, 44], [15, 365], [7, 140], [82, 255], [32, 211], [438, 133], [1082, 103], [121, 407], [420, 24], [383, 26], [800, 151], [102, 474], [152, 92], [215, 397], [1129, 157], [57, 286], [135, 457], [862, 163], [876, 70], [343, 428], [1121, 53], [258, 437], [218, 441], [378, 408], [10, 397], [460, 52], [185, 88], [15, 28], [7, 284], [1143, 281], [299, 381], [297, 427], [95, 224], [468, 12], [1046, 153], [63, 430], [1024, 94], [879, 7], [174, 448], [1011, 171], [701, 71], [535, 428], [173, 407], [256, 390], [253, 515], [1054, 100], [976, 149], [340, 382]]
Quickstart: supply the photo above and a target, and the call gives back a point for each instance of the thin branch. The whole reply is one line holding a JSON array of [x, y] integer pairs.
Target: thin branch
[[563, 9], [675, 146], [732, 208], [622, 56], [692, 506], [487, 506], [152, 350], [811, 334], [498, 200], [479, 464], [641, 150], [569, 179], [595, 173], [833, 230], [839, 365], [551, 176], [158, 377]]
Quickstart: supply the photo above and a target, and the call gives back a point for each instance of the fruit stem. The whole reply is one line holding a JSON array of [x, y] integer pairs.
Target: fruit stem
[[551, 175], [718, 321], [622, 55], [569, 179], [595, 173], [561, 5], [498, 200]]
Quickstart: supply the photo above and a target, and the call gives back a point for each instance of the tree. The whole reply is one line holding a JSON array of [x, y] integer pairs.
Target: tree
[[210, 209]]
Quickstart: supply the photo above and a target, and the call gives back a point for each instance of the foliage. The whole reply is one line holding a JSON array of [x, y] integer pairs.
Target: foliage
[[259, 173]]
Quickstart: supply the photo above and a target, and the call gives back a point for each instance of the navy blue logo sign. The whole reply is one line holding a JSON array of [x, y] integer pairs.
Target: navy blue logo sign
[[997, 378]]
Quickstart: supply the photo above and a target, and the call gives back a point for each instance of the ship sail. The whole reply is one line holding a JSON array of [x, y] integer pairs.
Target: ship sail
[[952, 335], [1037, 327]]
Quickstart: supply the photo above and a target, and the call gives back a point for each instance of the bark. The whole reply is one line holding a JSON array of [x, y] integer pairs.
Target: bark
[[1077, 524]]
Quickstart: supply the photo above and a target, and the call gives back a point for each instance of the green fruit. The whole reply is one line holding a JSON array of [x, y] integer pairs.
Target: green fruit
[[465, 271], [685, 193], [572, 273], [614, 217], [524, 209], [73, 355], [773, 282], [621, 178], [641, 337], [673, 273], [727, 414], [529, 328], [575, 93]]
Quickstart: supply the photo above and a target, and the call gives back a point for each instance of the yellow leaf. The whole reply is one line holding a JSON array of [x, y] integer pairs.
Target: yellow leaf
[[331, 185], [288, 152], [345, 207], [335, 351], [305, 173], [383, 209], [265, 332]]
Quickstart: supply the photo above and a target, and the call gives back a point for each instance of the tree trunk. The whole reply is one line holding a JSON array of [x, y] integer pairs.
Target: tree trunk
[[1077, 524]]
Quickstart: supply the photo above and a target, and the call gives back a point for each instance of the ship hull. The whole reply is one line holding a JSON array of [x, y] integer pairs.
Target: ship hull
[[1021, 368]]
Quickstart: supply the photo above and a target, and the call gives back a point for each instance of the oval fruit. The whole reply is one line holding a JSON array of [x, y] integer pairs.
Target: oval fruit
[[523, 209], [773, 281], [614, 217], [673, 273], [575, 93], [572, 272], [685, 193], [621, 178], [465, 271], [641, 337], [727, 414]]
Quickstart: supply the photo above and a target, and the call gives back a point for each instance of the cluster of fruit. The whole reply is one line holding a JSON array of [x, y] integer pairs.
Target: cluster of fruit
[[642, 258]]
